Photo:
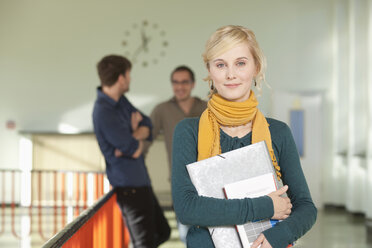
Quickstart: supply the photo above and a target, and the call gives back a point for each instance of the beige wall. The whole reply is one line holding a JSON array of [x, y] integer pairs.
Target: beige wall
[[64, 153], [157, 166], [67, 152], [80, 153]]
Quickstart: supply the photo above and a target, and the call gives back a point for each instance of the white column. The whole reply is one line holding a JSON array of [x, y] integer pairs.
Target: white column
[[369, 147], [335, 172], [358, 112]]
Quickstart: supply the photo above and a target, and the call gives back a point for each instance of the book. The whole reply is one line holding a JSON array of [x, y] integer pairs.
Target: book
[[252, 187], [210, 176]]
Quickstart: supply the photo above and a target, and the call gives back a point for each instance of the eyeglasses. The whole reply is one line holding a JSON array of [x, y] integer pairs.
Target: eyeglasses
[[184, 82]]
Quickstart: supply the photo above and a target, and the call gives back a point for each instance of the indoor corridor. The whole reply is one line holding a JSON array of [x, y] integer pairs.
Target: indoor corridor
[[308, 63]]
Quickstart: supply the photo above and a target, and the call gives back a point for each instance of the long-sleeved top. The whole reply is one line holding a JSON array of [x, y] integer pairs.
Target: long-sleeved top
[[112, 126], [166, 116], [201, 212]]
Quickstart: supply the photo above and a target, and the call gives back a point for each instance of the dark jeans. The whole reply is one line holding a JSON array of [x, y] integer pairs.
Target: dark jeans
[[144, 217]]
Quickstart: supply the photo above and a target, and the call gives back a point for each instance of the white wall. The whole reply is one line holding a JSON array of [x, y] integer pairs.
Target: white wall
[[315, 147]]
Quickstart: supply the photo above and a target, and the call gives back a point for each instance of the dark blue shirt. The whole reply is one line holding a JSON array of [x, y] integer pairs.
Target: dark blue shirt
[[112, 126]]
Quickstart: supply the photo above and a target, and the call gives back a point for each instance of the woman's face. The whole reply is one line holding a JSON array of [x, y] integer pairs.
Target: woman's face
[[232, 73]]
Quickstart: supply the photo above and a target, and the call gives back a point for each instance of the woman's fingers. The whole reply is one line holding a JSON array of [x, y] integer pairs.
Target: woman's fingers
[[282, 190], [258, 241], [282, 205]]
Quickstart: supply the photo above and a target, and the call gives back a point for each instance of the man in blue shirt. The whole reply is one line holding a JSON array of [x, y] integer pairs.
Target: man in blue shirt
[[120, 130]]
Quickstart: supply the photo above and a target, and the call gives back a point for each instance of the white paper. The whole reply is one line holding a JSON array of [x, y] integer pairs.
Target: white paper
[[252, 187]]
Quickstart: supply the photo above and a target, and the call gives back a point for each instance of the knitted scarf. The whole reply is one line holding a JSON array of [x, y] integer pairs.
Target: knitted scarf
[[227, 113]]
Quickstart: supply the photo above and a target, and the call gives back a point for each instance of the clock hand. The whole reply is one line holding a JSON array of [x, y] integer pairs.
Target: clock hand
[[143, 46], [143, 36], [138, 51], [148, 39], [145, 40]]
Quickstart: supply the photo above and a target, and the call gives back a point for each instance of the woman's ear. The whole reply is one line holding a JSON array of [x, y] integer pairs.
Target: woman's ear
[[209, 70], [257, 71]]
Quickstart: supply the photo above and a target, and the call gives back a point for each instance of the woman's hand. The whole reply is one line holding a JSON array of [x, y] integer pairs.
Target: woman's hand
[[282, 205], [261, 242]]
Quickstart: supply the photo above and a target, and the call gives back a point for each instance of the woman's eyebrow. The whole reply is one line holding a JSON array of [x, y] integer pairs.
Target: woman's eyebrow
[[235, 59], [218, 60]]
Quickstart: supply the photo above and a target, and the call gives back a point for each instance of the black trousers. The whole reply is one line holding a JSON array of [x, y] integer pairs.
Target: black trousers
[[144, 217]]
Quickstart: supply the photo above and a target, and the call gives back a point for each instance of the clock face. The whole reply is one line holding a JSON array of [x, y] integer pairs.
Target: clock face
[[145, 43]]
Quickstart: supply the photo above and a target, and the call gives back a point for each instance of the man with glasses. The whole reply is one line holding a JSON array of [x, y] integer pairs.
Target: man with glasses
[[166, 115]]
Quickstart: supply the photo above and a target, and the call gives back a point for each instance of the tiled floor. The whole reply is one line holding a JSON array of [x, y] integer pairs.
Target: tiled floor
[[334, 228], [174, 241]]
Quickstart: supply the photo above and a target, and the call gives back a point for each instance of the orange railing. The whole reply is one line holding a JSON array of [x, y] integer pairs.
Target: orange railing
[[100, 226], [76, 196]]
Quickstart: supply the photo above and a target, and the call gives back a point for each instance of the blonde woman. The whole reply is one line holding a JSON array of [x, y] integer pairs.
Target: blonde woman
[[235, 64]]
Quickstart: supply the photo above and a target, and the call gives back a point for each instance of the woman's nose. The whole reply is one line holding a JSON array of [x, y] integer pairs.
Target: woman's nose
[[230, 74]]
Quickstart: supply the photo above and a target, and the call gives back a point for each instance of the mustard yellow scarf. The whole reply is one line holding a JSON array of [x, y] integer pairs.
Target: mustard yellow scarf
[[227, 113]]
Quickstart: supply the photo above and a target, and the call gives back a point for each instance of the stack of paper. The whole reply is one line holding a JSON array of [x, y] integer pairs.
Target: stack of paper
[[211, 175]]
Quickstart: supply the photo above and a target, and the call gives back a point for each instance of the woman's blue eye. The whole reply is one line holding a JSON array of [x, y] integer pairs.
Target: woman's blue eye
[[220, 65], [241, 63]]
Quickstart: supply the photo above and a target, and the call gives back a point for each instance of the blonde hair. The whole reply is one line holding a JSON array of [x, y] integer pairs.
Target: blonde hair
[[227, 37]]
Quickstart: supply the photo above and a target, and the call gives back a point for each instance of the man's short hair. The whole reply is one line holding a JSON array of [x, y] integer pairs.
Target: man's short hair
[[184, 68], [111, 67]]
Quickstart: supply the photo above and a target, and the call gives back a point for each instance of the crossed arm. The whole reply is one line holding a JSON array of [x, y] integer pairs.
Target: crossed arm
[[140, 133]]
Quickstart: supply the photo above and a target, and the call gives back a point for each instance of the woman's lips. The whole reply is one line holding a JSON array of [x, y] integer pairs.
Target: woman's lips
[[232, 86]]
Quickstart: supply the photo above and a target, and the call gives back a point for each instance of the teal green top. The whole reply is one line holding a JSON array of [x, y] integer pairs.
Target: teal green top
[[201, 212]]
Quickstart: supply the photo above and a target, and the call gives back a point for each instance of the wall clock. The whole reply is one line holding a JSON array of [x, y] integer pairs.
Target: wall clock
[[145, 43]]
